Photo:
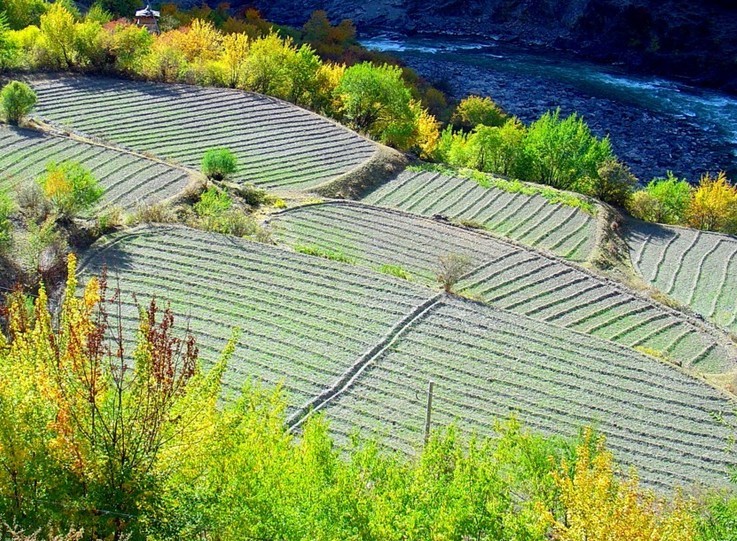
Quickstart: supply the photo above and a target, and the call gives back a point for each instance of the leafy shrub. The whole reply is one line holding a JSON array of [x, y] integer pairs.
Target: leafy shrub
[[498, 149], [451, 268], [153, 213], [213, 202], [317, 251], [70, 187], [664, 200], [8, 48], [374, 99], [396, 271], [219, 163], [476, 111], [33, 202], [714, 205], [7, 207], [614, 183], [17, 99], [564, 152]]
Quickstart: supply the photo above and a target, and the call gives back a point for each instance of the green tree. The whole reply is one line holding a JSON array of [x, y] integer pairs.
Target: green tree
[[58, 33], [673, 196], [374, 99], [614, 183], [564, 152], [475, 110], [8, 48], [70, 187], [219, 163], [497, 149], [17, 100]]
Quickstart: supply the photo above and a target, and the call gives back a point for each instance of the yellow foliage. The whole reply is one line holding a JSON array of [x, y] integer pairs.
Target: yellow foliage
[[199, 42], [57, 32], [714, 205], [601, 507], [57, 186], [233, 58], [428, 133]]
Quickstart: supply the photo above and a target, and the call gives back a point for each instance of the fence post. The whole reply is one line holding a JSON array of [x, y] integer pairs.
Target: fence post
[[428, 411]]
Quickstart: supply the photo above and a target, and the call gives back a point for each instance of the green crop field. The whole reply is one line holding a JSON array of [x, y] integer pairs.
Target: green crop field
[[278, 145], [375, 237], [519, 280], [488, 364], [304, 320], [361, 344], [696, 268], [530, 219], [127, 179]]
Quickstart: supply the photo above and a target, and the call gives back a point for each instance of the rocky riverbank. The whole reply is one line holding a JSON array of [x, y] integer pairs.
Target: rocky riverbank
[[649, 142]]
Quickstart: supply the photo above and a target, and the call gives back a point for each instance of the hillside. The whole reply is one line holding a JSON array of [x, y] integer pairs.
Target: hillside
[[319, 328], [278, 145], [672, 38]]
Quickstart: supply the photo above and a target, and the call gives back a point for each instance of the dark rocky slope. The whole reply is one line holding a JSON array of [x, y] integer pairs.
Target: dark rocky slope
[[696, 41]]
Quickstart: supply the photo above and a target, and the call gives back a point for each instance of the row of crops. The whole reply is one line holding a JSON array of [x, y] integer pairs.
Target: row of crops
[[305, 320], [278, 145], [308, 323], [696, 268], [532, 220], [522, 281], [489, 364], [127, 179]]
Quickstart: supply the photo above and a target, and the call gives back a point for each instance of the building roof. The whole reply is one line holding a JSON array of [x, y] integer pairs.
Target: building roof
[[148, 12]]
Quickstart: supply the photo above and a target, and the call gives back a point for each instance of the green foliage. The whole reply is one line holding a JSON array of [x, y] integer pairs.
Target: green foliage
[[22, 13], [718, 521], [7, 207], [498, 149], [317, 251], [476, 111], [396, 271], [17, 100], [70, 187], [614, 183], [375, 99], [664, 200], [8, 48], [97, 13], [213, 202], [219, 163], [563, 152]]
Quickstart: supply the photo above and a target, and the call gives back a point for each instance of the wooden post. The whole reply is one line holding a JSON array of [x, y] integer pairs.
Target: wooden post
[[428, 411]]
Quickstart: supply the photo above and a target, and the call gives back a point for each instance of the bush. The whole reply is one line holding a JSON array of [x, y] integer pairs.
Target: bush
[[70, 187], [563, 152], [219, 163], [497, 150], [476, 111], [375, 100], [17, 99], [713, 206], [614, 183], [664, 200], [7, 207]]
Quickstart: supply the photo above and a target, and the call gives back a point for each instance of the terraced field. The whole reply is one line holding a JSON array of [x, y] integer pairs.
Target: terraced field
[[531, 220], [488, 364], [278, 145], [374, 237], [128, 180], [696, 268], [304, 320], [550, 291], [522, 281]]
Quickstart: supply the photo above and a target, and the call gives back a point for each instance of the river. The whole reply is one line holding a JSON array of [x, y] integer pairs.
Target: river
[[654, 124]]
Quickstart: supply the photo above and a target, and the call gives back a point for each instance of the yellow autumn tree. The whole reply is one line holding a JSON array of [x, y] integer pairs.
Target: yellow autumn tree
[[713, 206], [598, 506], [233, 59], [58, 34]]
